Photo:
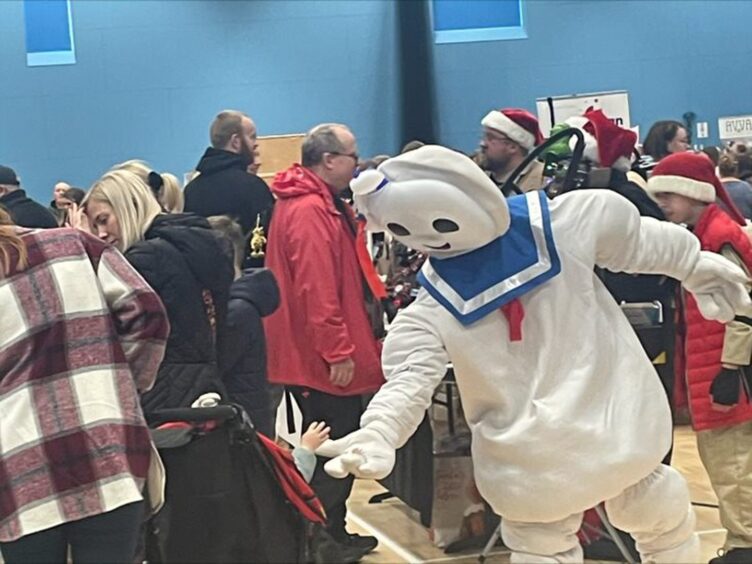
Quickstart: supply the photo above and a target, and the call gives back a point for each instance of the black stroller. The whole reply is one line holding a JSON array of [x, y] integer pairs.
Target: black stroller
[[231, 494]]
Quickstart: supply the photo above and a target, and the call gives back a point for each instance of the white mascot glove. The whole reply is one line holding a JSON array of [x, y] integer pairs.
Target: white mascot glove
[[364, 453], [718, 286]]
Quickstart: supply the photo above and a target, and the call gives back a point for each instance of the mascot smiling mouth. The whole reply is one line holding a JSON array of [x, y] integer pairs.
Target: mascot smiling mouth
[[443, 247]]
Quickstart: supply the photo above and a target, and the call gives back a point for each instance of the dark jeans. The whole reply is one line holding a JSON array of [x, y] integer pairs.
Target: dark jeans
[[342, 414], [107, 538]]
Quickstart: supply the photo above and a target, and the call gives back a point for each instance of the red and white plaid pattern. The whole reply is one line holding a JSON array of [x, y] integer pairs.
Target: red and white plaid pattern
[[80, 334]]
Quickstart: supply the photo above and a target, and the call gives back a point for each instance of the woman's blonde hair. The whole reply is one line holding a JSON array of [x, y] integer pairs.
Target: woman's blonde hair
[[138, 167], [171, 196], [131, 200], [9, 240]]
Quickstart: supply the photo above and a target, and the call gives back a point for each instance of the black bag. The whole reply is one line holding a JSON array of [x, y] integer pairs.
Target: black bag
[[222, 500]]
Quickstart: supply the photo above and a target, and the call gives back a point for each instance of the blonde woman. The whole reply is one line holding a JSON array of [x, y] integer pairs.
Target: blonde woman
[[136, 166], [165, 186], [81, 333], [171, 195], [183, 260]]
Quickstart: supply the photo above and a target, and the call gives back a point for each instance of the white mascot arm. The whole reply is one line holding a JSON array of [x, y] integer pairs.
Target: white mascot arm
[[414, 362], [627, 242]]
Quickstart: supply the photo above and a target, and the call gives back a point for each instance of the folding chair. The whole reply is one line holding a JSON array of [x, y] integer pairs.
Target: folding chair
[[610, 533]]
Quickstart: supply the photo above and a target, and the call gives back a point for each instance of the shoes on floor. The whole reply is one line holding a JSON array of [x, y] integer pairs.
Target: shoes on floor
[[364, 543], [327, 550], [350, 554]]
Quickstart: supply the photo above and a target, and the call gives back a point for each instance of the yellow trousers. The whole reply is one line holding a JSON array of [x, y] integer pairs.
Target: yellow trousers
[[727, 456]]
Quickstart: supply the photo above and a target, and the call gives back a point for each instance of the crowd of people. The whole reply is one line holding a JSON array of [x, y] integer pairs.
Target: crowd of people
[[136, 295]]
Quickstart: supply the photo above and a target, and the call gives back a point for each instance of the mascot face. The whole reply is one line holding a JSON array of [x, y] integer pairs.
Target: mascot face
[[434, 217], [443, 206]]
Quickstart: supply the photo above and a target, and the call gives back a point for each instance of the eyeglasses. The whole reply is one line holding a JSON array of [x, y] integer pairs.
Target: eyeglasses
[[353, 156], [493, 137]]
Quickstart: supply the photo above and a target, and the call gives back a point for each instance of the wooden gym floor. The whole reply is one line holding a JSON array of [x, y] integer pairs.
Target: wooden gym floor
[[403, 539]]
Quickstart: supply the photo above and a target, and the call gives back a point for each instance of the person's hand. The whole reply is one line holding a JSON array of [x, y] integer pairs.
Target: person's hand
[[718, 286], [317, 433], [725, 389], [77, 218], [364, 453], [341, 373]]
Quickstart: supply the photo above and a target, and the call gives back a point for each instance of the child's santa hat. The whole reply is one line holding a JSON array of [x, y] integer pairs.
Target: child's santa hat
[[606, 144], [691, 175], [519, 125]]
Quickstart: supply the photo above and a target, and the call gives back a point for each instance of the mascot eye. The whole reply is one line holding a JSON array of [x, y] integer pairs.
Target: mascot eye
[[445, 226], [398, 229]]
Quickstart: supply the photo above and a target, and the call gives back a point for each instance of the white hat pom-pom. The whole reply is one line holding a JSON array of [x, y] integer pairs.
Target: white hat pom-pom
[[591, 143], [367, 182]]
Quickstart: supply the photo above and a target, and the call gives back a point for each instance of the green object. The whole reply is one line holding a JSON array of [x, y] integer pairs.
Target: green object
[[560, 149], [556, 156]]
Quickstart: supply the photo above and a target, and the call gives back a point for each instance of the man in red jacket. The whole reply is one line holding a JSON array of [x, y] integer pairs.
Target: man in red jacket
[[320, 340]]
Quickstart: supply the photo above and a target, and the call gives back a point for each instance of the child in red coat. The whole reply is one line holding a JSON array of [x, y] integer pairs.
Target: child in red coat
[[718, 356]]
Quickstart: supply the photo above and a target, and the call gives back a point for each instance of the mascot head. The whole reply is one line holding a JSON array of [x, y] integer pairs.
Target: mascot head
[[434, 200]]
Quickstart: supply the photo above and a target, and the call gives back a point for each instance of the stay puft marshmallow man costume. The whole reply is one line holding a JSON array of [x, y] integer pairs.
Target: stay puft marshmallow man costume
[[564, 407]]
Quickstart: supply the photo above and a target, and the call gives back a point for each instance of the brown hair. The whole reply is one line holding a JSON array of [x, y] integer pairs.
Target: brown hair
[[713, 152], [75, 195], [744, 162], [233, 233], [412, 145], [225, 125], [372, 163], [9, 240], [728, 165], [660, 135]]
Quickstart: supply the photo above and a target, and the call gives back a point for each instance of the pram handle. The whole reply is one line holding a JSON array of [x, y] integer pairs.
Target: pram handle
[[194, 414]]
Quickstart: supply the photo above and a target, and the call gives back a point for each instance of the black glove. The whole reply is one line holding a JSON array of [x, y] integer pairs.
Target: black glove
[[725, 386]]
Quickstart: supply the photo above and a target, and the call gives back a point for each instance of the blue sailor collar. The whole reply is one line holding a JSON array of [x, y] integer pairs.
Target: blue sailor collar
[[474, 284]]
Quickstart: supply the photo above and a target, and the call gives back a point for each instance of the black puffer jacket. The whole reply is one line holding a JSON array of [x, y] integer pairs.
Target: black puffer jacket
[[242, 351], [25, 212], [642, 287], [225, 188], [183, 260]]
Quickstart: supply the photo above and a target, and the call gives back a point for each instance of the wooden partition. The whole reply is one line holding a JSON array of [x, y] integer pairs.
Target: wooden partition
[[278, 152]]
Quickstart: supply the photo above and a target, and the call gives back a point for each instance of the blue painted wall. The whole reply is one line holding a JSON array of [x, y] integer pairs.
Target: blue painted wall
[[672, 57], [150, 76]]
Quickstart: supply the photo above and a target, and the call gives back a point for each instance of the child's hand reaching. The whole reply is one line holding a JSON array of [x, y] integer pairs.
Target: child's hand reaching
[[316, 434]]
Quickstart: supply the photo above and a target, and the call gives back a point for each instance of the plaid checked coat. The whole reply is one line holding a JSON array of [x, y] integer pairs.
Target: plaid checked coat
[[80, 334]]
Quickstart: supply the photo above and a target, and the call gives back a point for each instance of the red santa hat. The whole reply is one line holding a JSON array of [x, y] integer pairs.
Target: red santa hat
[[691, 175], [606, 144], [519, 125]]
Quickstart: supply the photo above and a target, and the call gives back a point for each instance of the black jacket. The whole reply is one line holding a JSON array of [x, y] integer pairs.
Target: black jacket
[[182, 258], [242, 350], [225, 188], [60, 214], [642, 287], [25, 212]]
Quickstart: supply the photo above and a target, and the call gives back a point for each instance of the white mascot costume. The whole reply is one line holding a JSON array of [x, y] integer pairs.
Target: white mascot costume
[[565, 409]]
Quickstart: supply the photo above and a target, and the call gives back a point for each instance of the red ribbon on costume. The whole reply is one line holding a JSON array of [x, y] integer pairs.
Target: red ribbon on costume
[[514, 313], [366, 263]]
